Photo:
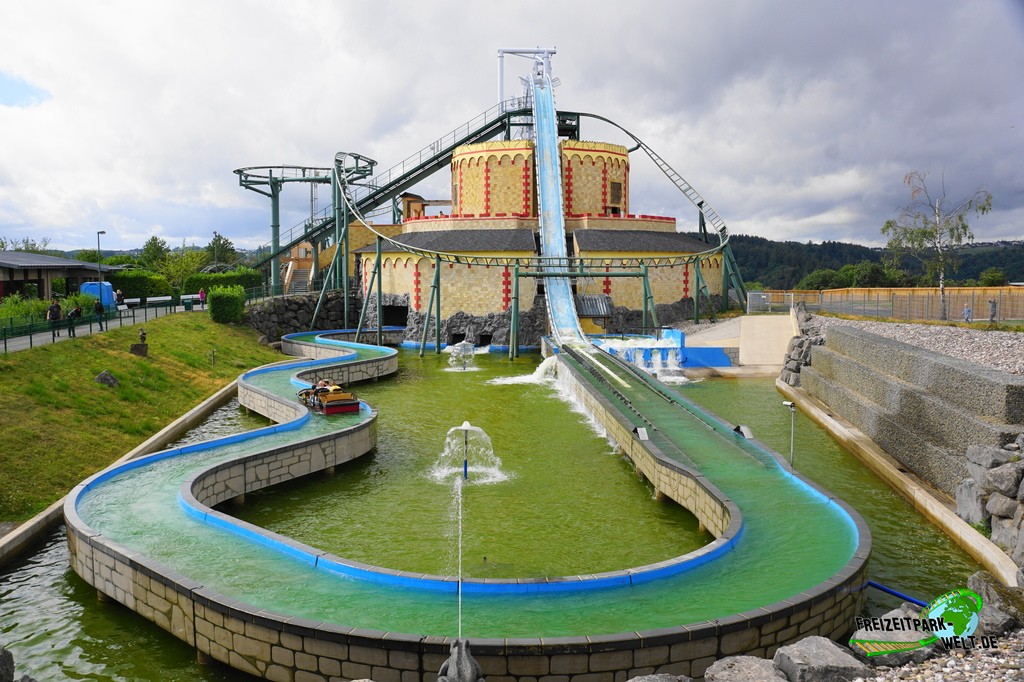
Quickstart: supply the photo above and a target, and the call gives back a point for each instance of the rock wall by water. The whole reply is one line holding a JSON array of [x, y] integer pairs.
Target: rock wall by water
[[798, 354], [923, 408], [993, 495]]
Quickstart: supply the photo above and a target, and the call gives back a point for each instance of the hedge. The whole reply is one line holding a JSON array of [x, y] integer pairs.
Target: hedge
[[247, 278], [227, 304]]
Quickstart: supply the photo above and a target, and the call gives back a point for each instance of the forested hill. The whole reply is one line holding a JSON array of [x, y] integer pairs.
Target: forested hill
[[780, 265]]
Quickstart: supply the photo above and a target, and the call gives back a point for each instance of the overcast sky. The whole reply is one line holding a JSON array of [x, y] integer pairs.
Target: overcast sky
[[796, 120]]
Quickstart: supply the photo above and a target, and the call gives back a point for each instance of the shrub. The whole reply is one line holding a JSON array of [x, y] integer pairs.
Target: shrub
[[227, 304], [141, 284], [247, 278]]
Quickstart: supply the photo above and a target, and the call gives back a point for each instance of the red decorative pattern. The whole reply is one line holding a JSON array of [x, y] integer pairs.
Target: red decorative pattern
[[527, 207], [487, 189], [604, 187], [506, 288], [416, 290], [686, 281], [568, 187]]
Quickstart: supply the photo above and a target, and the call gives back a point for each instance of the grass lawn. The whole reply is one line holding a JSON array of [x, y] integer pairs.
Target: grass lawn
[[58, 425]]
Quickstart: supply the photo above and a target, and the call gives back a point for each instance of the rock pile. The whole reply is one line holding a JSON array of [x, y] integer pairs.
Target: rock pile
[[798, 354], [993, 495]]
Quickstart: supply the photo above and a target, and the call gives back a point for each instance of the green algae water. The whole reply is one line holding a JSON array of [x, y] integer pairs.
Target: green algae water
[[908, 553], [56, 628], [138, 507], [568, 504]]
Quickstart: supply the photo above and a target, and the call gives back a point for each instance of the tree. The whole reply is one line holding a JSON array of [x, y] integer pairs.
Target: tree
[[181, 264], [221, 250], [27, 244], [154, 251], [89, 256], [993, 277], [929, 232], [120, 259], [819, 279]]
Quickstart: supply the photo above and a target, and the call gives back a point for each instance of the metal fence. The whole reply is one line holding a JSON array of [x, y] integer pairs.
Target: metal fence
[[980, 304]]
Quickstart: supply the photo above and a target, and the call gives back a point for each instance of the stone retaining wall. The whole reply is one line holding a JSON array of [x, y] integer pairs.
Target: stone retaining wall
[[921, 407]]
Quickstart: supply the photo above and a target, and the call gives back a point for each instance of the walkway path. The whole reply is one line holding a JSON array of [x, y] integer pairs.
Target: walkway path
[[132, 316]]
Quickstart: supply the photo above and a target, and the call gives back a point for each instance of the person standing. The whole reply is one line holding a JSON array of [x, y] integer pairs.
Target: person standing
[[202, 298], [98, 309], [53, 315], [967, 313], [73, 317]]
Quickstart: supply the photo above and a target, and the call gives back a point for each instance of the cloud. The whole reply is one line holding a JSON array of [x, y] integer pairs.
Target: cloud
[[794, 120]]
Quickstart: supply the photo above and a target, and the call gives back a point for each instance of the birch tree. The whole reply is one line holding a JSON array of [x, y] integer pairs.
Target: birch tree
[[931, 229]]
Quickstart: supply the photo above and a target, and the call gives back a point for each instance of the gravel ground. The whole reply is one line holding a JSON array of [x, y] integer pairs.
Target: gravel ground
[[1003, 663], [999, 350]]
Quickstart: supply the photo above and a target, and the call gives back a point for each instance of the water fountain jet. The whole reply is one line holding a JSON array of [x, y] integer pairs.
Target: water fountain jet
[[462, 356]]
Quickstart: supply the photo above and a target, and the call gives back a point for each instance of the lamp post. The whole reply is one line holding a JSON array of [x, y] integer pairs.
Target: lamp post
[[99, 257], [792, 427]]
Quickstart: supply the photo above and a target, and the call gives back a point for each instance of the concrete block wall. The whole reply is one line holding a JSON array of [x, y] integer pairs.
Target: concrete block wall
[[686, 487], [923, 408]]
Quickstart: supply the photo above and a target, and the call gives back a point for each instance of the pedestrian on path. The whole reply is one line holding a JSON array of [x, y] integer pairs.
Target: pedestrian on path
[[202, 298], [98, 309], [53, 315], [73, 317]]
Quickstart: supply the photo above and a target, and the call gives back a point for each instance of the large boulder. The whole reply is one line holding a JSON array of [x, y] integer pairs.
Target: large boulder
[[1004, 478], [6, 665], [743, 669], [1002, 608], [896, 658], [970, 502], [661, 677], [819, 659], [981, 458]]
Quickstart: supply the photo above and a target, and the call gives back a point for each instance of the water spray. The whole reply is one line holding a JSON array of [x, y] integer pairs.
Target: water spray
[[465, 477]]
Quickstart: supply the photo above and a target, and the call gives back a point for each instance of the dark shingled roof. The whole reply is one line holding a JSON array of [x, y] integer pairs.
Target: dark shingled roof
[[628, 241], [461, 241], [22, 260]]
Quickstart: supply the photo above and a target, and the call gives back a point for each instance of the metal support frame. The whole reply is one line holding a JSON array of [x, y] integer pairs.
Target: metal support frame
[[513, 334], [435, 296], [273, 179], [648, 301], [731, 278], [374, 279], [380, 294]]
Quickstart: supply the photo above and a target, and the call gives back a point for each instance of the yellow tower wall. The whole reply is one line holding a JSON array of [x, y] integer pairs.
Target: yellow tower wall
[[595, 178], [493, 179], [472, 289]]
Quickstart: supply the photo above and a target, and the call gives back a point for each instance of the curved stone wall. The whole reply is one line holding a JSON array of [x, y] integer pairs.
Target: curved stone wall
[[278, 647]]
